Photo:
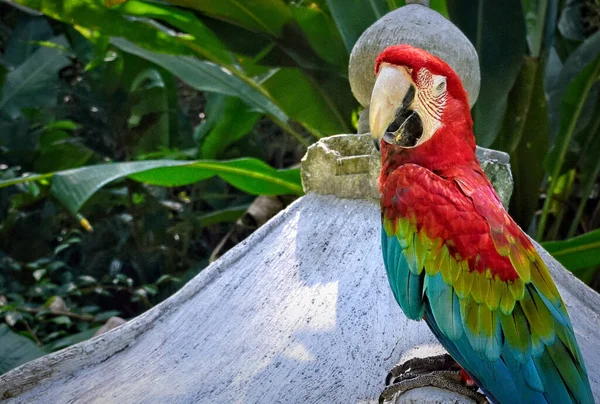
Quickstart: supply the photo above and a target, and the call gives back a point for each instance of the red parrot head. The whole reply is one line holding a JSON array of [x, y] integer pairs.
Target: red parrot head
[[415, 95]]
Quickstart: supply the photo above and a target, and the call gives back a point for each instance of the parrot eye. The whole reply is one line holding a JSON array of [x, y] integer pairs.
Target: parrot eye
[[439, 84]]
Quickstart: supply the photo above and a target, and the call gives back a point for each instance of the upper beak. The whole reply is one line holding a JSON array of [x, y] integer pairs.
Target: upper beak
[[391, 87]]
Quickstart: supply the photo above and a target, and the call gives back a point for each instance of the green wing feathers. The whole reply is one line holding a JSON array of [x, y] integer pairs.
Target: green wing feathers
[[518, 330]]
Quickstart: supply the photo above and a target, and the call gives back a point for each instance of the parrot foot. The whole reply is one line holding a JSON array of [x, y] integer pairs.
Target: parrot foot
[[437, 371]]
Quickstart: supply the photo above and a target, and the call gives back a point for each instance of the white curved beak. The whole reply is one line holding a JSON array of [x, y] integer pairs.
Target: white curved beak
[[391, 86]]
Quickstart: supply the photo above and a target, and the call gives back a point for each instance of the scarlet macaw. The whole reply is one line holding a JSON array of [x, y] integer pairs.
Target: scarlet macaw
[[453, 255]]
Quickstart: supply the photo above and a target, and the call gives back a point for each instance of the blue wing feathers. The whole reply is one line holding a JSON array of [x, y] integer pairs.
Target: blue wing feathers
[[487, 370], [570, 370], [548, 370], [553, 384], [440, 296], [406, 286], [532, 378]]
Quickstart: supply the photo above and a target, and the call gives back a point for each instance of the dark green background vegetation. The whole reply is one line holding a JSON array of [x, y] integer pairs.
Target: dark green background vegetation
[[159, 122]]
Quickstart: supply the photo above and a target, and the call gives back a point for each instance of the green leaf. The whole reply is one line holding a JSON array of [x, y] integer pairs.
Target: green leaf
[[239, 40], [92, 16], [16, 349], [87, 280], [199, 37], [51, 137], [568, 94], [62, 156], [519, 97], [228, 120], [105, 315], [59, 150], [317, 110], [149, 116], [322, 34], [228, 215], [62, 125], [214, 111], [34, 83], [578, 75], [21, 43], [561, 76], [497, 30], [525, 135], [589, 165], [577, 253], [291, 49], [540, 16], [206, 76], [266, 16], [150, 289], [71, 339], [570, 23], [394, 4], [440, 6], [248, 174], [353, 17], [62, 320], [166, 279], [74, 187]]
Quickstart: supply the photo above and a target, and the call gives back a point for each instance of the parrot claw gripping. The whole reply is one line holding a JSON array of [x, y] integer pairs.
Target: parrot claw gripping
[[437, 371]]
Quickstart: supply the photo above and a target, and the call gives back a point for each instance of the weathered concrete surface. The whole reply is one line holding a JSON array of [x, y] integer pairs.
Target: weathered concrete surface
[[299, 312]]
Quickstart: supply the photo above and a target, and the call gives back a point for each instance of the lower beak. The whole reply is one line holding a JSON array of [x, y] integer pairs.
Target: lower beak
[[391, 87]]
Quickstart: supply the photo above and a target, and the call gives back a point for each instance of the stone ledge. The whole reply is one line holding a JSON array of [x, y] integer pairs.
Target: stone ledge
[[348, 165]]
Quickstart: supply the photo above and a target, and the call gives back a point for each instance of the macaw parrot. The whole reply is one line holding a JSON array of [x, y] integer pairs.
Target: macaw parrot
[[453, 255]]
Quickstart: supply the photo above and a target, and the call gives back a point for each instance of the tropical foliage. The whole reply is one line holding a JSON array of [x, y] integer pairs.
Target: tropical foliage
[[158, 122]]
